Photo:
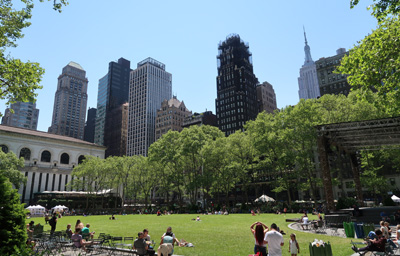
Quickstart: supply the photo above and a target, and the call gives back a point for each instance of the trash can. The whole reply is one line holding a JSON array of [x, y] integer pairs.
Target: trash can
[[322, 250], [368, 227], [349, 229], [359, 229]]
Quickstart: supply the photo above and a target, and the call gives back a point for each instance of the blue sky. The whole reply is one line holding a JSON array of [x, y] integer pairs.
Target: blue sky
[[184, 35]]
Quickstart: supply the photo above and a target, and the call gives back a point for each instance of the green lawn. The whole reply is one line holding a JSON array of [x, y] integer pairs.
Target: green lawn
[[214, 235]]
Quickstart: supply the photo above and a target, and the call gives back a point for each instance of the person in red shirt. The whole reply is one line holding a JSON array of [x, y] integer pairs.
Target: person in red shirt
[[377, 244]]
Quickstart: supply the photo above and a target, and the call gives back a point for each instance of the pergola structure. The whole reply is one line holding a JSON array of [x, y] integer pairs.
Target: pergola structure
[[352, 137]]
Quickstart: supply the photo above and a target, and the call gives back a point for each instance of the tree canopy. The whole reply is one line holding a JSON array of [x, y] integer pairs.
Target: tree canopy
[[374, 63], [18, 80], [9, 164], [381, 8]]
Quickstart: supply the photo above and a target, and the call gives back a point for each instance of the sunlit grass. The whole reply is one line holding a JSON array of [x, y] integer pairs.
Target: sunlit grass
[[213, 235]]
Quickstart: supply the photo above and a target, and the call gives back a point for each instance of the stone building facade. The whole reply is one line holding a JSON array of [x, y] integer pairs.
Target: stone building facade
[[266, 97], [49, 158], [171, 116], [330, 82]]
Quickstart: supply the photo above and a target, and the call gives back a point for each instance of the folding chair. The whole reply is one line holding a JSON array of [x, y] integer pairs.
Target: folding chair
[[117, 242], [321, 226], [128, 242]]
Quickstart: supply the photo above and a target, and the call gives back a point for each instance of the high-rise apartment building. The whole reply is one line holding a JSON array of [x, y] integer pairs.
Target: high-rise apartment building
[[25, 115], [113, 92], [266, 97], [88, 134], [236, 100], [117, 131], [149, 85], [69, 111], [330, 82], [170, 116], [308, 81], [101, 111]]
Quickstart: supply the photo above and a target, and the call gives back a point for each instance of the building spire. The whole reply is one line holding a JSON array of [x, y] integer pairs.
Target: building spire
[[308, 60]]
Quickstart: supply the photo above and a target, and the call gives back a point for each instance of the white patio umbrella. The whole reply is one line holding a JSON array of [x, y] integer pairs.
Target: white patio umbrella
[[264, 199], [395, 199], [59, 208], [36, 209]]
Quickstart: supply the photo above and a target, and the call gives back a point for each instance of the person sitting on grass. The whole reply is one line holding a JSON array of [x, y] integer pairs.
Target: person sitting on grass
[[377, 244], [167, 240]]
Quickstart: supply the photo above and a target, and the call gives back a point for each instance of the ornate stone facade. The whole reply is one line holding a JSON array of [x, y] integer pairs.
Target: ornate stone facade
[[49, 158]]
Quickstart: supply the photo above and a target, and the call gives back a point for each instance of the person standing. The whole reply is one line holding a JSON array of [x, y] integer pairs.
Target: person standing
[[274, 239], [293, 245], [53, 223], [259, 233]]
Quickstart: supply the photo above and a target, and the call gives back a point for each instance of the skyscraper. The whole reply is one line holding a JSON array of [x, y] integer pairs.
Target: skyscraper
[[69, 111], [236, 100], [170, 116], [149, 85], [25, 115], [266, 97], [308, 81], [330, 82], [113, 92], [88, 133]]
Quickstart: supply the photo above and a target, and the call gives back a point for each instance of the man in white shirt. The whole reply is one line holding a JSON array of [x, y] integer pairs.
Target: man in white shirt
[[274, 240]]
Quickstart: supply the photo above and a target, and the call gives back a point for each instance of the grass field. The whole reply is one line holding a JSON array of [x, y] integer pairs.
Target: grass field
[[215, 235]]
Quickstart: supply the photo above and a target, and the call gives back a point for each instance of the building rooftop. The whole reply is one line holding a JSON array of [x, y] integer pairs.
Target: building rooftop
[[23, 131], [75, 65], [152, 62]]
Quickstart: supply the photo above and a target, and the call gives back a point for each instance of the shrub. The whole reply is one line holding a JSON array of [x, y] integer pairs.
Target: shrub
[[12, 218], [345, 202]]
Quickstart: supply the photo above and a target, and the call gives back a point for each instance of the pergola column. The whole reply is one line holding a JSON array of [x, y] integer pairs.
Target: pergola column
[[326, 173], [357, 181]]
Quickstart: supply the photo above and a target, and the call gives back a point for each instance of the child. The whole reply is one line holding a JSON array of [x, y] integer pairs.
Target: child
[[293, 245]]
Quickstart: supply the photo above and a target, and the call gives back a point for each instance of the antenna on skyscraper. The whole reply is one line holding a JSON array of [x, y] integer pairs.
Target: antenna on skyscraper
[[305, 37]]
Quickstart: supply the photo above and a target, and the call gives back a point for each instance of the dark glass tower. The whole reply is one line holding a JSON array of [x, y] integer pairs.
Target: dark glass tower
[[88, 132], [113, 93], [236, 100]]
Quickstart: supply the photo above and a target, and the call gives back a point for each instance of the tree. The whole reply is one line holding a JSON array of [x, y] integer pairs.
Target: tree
[[192, 140], [241, 151], [371, 178], [374, 64], [18, 80], [165, 152], [381, 8], [12, 218], [9, 164], [89, 176]]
